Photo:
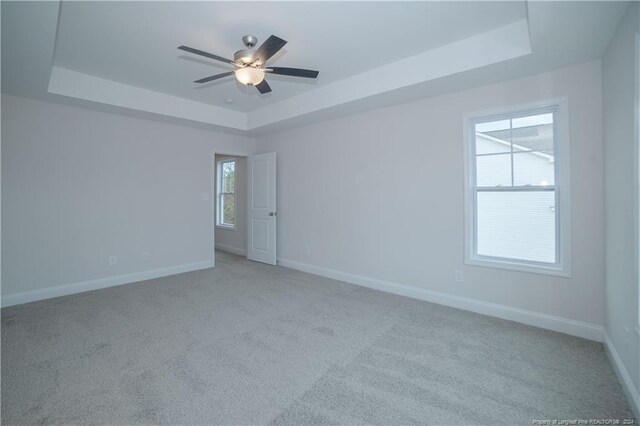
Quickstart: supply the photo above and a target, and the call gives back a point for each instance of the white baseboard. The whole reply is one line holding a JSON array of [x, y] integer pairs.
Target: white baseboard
[[623, 375], [549, 322], [231, 249], [66, 289]]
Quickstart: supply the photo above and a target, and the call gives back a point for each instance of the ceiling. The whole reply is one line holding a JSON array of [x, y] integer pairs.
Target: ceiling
[[135, 43], [122, 56]]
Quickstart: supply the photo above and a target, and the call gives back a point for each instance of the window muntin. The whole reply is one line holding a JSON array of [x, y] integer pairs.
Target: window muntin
[[514, 220], [226, 215]]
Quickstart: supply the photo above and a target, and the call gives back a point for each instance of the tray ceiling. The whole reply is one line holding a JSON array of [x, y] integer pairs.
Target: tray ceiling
[[123, 54]]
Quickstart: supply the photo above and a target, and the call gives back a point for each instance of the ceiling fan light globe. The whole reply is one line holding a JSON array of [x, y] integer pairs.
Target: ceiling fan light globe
[[250, 76]]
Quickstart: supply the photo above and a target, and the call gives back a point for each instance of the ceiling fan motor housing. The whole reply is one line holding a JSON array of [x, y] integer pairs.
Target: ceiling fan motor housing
[[244, 56]]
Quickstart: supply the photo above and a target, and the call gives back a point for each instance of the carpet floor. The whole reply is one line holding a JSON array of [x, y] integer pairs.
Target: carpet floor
[[246, 343]]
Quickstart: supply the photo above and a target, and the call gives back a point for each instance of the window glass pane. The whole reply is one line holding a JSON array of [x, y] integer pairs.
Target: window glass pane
[[493, 136], [228, 176], [532, 120], [534, 132], [490, 126], [227, 209], [493, 170], [517, 225], [533, 168], [487, 144]]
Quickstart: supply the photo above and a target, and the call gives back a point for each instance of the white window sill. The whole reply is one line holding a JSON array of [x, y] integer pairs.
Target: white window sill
[[226, 227], [518, 266]]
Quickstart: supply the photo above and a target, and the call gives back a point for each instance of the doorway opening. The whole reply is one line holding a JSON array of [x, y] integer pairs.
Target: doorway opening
[[244, 205], [230, 203]]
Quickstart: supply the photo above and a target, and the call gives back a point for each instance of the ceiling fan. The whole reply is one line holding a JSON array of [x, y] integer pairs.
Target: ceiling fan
[[250, 64]]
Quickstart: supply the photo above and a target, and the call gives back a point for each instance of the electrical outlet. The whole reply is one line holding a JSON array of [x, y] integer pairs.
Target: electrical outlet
[[459, 275], [113, 260], [307, 250], [145, 255]]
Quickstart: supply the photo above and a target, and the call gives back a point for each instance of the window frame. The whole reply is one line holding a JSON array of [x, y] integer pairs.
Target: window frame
[[562, 188], [220, 194]]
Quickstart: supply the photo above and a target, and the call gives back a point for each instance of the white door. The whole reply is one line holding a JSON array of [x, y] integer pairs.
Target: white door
[[261, 238]]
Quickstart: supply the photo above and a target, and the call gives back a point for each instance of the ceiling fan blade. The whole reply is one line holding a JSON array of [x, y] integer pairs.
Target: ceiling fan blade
[[269, 48], [214, 77], [205, 54], [295, 72], [263, 87]]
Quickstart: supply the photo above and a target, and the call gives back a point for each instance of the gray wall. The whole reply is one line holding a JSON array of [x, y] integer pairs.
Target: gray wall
[[80, 185], [621, 193], [379, 195], [235, 240]]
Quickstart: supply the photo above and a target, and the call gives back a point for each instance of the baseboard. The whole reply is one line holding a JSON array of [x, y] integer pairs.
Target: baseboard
[[623, 375], [66, 289], [231, 249], [549, 322]]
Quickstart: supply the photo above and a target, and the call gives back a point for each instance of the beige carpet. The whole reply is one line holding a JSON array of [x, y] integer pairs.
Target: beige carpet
[[247, 343]]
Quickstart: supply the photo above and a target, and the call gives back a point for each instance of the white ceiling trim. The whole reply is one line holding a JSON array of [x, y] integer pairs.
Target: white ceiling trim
[[501, 44], [90, 88], [484, 49]]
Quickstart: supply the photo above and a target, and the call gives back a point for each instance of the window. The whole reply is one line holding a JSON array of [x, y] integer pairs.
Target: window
[[226, 209], [517, 208]]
